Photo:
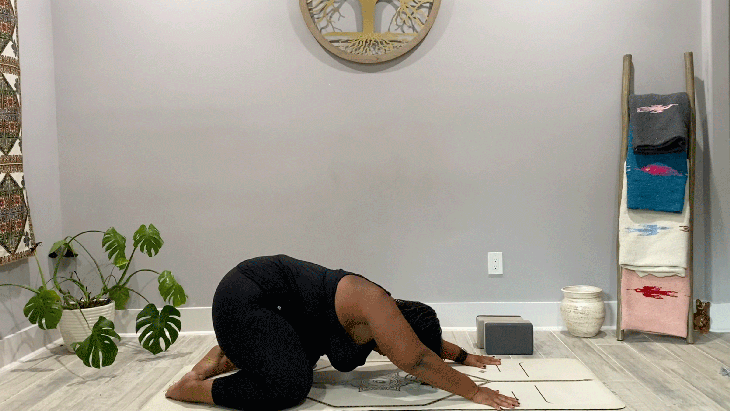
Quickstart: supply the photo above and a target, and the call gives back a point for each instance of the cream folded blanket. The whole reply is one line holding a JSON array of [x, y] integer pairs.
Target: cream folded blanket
[[653, 242]]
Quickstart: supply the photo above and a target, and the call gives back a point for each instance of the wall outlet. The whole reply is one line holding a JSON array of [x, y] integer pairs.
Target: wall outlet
[[495, 263]]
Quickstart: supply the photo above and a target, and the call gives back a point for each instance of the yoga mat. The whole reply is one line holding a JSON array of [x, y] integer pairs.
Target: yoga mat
[[539, 384]]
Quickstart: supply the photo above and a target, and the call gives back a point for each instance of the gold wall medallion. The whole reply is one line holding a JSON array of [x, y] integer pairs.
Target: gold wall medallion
[[369, 31]]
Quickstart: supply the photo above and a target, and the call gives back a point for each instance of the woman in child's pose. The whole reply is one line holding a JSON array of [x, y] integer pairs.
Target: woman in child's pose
[[275, 316]]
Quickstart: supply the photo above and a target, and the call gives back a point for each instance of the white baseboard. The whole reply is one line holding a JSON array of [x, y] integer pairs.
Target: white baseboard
[[193, 319], [545, 315], [542, 315], [720, 318], [453, 316]]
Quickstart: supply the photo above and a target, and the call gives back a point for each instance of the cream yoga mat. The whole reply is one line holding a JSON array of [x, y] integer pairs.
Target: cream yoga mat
[[539, 384]]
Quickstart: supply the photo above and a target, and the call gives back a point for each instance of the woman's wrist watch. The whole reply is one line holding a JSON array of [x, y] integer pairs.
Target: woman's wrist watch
[[462, 356]]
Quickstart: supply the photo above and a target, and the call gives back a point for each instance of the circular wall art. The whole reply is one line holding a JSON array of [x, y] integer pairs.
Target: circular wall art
[[369, 31]]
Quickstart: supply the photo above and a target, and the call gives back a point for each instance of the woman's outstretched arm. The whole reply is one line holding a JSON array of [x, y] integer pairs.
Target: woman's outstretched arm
[[451, 351], [434, 371], [397, 341]]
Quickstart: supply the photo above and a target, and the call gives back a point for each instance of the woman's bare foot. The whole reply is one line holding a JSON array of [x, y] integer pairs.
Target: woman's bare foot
[[191, 388], [214, 363]]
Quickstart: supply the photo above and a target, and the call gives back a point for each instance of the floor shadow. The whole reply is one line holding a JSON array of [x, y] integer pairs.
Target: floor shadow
[[96, 378], [32, 369], [166, 356]]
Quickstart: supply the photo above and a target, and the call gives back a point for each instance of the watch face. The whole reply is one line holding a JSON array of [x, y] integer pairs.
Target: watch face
[[369, 31]]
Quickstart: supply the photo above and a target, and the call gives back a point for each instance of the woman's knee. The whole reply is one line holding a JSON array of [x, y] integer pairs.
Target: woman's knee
[[304, 385], [262, 392], [294, 391]]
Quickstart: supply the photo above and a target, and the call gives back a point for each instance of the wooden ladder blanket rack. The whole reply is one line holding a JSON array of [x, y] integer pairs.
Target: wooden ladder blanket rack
[[627, 89]]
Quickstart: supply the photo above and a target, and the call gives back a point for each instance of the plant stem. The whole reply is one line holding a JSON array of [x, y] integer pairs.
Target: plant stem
[[55, 274], [83, 232], [67, 295], [129, 263], [148, 301], [107, 290], [81, 286], [98, 269], [21, 286], [61, 257], [40, 270], [138, 271], [112, 276]]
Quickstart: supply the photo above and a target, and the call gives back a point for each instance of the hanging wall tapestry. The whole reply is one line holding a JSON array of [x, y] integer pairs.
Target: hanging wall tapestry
[[16, 230], [369, 31]]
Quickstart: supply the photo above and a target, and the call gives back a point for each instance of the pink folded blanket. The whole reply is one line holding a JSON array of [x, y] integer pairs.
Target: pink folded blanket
[[654, 304]]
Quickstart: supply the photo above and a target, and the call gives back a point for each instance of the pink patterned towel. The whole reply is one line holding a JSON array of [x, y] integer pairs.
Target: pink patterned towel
[[654, 304]]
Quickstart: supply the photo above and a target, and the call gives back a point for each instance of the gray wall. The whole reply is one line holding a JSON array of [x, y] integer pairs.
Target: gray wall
[[717, 143], [40, 156], [227, 126]]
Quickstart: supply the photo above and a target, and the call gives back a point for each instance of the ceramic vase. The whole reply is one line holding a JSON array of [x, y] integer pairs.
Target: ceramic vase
[[582, 310], [74, 327]]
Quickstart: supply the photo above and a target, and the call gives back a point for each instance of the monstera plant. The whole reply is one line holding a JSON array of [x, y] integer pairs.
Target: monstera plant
[[51, 300]]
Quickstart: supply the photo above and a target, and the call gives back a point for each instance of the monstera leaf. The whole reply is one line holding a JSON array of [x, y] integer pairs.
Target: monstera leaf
[[159, 326], [148, 239], [170, 290], [115, 244], [120, 295], [121, 263], [62, 248], [44, 309], [98, 350]]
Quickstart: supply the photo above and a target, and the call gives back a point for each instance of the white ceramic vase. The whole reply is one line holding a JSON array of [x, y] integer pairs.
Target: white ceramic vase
[[582, 310], [74, 328]]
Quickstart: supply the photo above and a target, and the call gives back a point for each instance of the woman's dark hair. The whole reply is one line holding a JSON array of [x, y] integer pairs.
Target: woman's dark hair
[[424, 322]]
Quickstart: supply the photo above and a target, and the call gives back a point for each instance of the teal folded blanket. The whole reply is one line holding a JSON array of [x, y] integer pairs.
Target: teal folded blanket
[[655, 182]]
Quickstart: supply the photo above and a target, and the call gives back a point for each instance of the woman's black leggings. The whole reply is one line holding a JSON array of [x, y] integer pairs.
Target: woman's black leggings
[[273, 369]]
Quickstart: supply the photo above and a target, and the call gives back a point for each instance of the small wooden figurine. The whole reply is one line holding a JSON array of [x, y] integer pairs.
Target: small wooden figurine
[[702, 317]]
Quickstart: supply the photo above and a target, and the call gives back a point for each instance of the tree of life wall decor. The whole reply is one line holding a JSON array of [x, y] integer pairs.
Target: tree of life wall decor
[[369, 31], [16, 231]]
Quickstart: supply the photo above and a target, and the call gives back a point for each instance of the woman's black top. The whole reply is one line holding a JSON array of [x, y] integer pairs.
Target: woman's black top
[[304, 294]]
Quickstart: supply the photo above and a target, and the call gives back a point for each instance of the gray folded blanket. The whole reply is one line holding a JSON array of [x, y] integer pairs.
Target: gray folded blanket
[[660, 122]]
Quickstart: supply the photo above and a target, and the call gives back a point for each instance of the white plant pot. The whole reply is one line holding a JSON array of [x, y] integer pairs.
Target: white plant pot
[[582, 310], [74, 328]]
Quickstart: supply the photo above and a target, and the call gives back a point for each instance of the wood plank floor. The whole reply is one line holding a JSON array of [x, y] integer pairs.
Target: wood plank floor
[[648, 372]]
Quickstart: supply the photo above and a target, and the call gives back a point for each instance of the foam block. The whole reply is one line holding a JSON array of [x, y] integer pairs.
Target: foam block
[[504, 335]]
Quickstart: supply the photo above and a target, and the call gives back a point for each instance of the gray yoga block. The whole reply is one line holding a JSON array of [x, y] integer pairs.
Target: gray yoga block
[[504, 335]]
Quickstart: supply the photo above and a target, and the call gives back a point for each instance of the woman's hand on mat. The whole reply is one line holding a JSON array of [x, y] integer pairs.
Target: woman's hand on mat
[[487, 396], [481, 361]]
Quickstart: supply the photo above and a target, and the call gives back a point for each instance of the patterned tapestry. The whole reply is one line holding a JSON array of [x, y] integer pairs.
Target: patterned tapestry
[[16, 231]]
